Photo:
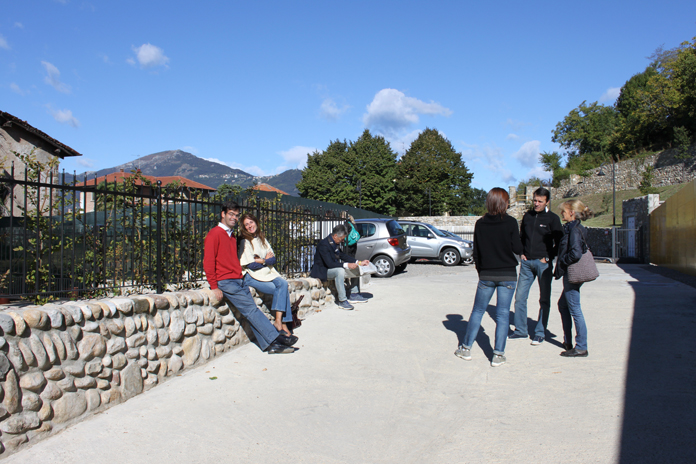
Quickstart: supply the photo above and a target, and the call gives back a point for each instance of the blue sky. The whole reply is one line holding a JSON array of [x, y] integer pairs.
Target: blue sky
[[258, 85]]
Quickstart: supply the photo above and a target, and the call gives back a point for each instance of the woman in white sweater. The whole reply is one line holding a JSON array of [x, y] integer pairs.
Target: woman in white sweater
[[258, 261]]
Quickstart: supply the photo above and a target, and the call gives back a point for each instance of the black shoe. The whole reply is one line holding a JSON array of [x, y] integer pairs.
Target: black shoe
[[575, 353], [287, 341], [516, 336], [279, 348], [567, 346]]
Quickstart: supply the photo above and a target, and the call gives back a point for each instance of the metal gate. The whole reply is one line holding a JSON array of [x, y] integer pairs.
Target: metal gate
[[627, 244]]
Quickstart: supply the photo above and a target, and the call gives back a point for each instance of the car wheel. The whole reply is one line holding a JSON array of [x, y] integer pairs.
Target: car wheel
[[384, 265], [449, 257], [400, 268], [468, 261]]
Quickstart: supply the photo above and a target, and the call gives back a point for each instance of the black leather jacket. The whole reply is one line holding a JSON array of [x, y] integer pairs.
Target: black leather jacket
[[571, 248]]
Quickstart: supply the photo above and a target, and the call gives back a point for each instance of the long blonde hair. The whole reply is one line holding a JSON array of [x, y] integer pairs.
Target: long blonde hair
[[582, 212]]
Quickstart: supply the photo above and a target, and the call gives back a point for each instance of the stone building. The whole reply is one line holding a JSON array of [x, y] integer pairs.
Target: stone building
[[17, 136]]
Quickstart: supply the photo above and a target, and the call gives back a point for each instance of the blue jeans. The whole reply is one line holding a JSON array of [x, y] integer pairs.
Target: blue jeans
[[278, 287], [569, 307], [484, 293], [529, 270], [239, 295], [339, 275]]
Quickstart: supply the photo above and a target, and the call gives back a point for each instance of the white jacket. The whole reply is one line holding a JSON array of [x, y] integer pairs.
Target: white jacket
[[266, 273]]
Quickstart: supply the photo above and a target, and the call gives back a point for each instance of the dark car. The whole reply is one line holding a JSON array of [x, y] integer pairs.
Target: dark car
[[383, 241]]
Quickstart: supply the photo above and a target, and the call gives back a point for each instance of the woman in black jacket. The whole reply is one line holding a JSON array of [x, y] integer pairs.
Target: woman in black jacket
[[572, 246], [496, 242]]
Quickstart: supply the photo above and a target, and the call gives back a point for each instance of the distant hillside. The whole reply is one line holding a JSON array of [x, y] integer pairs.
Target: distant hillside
[[181, 163], [285, 181]]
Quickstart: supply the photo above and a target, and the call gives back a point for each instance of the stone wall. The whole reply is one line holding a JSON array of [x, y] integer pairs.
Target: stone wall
[[60, 363], [451, 223], [636, 215], [629, 175]]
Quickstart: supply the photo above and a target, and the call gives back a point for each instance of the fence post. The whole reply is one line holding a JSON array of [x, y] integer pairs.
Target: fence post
[[158, 194], [613, 245]]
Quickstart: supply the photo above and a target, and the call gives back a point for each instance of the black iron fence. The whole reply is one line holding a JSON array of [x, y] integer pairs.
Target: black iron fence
[[63, 239]]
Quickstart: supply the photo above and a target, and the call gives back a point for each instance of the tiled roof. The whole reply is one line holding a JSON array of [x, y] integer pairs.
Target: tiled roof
[[166, 180], [268, 188], [61, 150]]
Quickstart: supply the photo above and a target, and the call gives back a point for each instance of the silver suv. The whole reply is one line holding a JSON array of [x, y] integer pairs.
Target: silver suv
[[383, 242], [427, 241]]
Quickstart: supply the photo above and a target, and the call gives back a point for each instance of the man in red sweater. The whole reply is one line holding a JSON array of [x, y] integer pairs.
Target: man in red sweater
[[224, 274]]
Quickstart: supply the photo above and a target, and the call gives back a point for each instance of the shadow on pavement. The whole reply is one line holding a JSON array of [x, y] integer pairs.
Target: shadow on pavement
[[659, 420], [457, 324]]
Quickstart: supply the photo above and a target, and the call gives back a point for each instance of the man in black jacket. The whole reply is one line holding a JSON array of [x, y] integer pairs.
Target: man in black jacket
[[541, 232], [330, 263]]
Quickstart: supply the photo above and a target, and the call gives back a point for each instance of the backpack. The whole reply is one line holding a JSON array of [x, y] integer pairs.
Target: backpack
[[353, 236]]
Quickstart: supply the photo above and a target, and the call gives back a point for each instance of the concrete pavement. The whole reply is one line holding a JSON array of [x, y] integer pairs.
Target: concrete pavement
[[381, 385]]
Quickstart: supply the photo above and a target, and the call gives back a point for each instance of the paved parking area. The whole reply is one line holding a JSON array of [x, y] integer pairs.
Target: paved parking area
[[381, 385]]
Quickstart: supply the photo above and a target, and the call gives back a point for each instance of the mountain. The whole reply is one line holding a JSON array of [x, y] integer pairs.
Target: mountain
[[184, 164], [285, 181]]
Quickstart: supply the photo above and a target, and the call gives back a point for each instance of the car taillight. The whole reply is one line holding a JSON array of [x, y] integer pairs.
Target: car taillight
[[393, 241]]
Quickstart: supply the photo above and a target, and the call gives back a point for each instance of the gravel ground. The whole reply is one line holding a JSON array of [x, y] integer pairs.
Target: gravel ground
[[428, 267]]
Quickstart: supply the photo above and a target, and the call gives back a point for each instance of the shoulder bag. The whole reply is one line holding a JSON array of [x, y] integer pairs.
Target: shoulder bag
[[584, 270]]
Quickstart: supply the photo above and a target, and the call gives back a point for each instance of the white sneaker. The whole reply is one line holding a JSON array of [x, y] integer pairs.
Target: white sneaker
[[498, 360]]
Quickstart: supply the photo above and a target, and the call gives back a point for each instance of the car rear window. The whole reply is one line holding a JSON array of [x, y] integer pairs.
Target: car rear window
[[366, 229], [394, 228]]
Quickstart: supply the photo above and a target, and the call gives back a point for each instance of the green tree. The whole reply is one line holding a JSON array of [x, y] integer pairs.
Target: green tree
[[477, 206], [358, 174], [585, 133], [432, 165]]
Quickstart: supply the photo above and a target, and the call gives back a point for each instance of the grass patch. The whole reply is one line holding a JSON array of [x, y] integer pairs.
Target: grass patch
[[601, 204]]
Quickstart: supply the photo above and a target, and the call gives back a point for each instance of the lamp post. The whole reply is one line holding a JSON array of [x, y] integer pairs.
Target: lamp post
[[613, 188]]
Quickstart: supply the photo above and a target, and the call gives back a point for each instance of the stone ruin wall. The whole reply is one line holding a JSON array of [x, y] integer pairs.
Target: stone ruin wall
[[629, 175], [60, 363]]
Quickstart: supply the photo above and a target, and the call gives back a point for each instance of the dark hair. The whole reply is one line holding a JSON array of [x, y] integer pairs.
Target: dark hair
[[230, 206], [542, 192], [243, 233], [340, 230], [497, 201]]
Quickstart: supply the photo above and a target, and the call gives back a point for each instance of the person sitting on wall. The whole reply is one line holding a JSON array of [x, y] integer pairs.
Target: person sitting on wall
[[330, 263], [224, 274], [258, 261]]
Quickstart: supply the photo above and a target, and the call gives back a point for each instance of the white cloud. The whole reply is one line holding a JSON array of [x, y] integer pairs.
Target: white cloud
[[105, 58], [19, 25], [330, 110], [512, 137], [192, 150], [516, 125], [149, 56], [528, 154], [492, 159], [3, 43], [86, 162], [64, 117], [539, 173], [53, 78], [611, 94], [15, 88], [296, 157], [392, 112], [130, 61], [64, 2]]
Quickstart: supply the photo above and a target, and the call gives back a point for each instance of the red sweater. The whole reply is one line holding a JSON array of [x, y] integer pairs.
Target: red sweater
[[220, 261]]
